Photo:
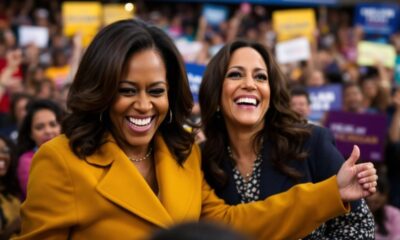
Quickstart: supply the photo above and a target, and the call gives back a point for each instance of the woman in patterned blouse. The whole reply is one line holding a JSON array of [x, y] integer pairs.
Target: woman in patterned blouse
[[257, 146]]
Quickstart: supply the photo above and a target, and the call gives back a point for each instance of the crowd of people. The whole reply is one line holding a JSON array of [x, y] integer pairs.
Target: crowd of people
[[255, 110]]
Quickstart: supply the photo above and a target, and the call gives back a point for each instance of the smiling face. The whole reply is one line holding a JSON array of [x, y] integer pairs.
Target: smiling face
[[142, 102], [245, 91], [4, 158], [44, 126]]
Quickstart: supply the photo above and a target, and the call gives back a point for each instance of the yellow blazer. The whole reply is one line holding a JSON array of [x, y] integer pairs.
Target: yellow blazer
[[105, 197]]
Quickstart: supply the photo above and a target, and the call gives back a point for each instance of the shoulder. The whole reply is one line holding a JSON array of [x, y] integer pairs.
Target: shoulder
[[318, 134], [27, 155]]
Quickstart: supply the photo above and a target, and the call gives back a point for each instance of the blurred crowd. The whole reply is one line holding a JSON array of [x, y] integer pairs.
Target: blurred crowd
[[34, 81]]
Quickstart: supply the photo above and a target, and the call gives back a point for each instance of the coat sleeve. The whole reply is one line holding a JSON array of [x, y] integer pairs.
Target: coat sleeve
[[49, 210], [289, 215]]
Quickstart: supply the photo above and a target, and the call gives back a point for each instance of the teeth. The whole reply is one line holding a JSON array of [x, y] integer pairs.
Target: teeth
[[247, 100], [140, 121]]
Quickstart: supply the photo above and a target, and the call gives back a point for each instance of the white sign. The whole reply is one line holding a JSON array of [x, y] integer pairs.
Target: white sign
[[33, 35], [189, 50], [293, 50]]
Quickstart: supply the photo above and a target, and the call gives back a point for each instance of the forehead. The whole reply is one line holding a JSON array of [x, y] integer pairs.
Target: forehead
[[145, 60], [247, 57]]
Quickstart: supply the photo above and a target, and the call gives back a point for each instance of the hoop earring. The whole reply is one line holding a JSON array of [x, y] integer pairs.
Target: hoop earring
[[170, 116]]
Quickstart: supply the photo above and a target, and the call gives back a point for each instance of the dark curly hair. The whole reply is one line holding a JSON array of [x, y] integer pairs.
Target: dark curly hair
[[284, 130], [25, 141], [96, 82]]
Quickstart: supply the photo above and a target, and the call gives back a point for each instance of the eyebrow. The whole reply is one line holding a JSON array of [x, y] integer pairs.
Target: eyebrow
[[152, 84], [242, 68]]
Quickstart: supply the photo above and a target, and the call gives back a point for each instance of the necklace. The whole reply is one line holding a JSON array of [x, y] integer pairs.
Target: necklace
[[148, 154], [248, 174]]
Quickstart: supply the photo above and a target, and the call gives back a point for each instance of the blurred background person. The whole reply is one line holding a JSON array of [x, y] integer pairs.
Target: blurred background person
[[387, 217], [41, 124], [9, 190]]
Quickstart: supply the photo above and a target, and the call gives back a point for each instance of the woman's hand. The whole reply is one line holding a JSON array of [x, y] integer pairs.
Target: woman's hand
[[356, 180]]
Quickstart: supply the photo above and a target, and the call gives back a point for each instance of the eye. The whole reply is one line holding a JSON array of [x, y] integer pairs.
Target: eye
[[157, 91], [53, 124], [261, 77], [38, 127], [234, 75], [127, 91]]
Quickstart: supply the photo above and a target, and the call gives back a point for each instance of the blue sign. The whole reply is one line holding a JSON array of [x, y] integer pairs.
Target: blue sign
[[195, 75], [377, 18], [324, 99], [268, 2], [215, 14]]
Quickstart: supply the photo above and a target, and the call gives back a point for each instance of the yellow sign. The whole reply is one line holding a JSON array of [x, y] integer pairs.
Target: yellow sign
[[115, 12], [369, 53], [289, 24], [83, 17]]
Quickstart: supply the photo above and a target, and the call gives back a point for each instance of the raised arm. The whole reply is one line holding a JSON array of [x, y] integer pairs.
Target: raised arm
[[298, 211]]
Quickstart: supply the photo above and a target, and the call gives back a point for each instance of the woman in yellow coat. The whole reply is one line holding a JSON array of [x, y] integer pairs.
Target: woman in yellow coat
[[125, 166]]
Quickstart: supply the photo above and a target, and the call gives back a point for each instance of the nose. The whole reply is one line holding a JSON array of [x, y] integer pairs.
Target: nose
[[143, 103], [249, 83], [50, 130]]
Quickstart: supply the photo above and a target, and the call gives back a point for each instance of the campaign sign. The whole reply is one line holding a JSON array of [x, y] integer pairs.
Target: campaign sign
[[324, 99], [195, 75], [296, 23], [366, 130], [369, 53], [33, 35], [215, 14], [113, 12], [83, 18], [377, 18], [293, 50]]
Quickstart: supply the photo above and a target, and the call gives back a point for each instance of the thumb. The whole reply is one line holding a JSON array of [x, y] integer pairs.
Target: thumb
[[355, 155]]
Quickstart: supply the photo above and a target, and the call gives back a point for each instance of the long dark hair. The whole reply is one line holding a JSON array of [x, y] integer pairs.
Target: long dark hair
[[95, 87], [10, 180], [25, 141], [285, 131]]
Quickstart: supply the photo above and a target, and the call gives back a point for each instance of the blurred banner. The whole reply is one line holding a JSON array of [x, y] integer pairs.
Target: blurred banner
[[115, 12], [323, 99], [267, 2], [33, 35], [195, 75], [289, 24], [377, 18], [368, 131], [368, 53], [215, 14], [293, 50], [83, 17]]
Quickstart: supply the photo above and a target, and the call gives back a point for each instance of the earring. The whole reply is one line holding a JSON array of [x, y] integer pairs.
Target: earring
[[170, 116], [218, 109], [101, 117], [218, 112]]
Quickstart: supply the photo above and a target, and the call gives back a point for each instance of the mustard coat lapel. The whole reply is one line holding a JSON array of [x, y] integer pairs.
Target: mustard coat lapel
[[177, 189], [125, 186]]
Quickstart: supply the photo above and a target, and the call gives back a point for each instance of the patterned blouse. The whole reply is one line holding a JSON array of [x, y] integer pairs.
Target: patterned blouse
[[355, 225]]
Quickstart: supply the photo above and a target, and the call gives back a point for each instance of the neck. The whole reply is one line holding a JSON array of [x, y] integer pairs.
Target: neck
[[242, 145]]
